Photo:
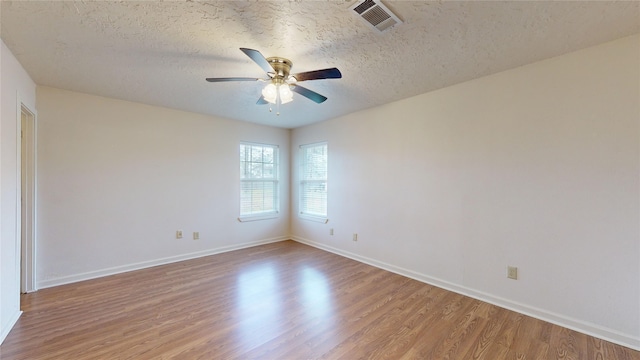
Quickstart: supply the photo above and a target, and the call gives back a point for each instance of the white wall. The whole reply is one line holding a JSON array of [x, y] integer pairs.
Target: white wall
[[537, 167], [117, 179], [15, 85]]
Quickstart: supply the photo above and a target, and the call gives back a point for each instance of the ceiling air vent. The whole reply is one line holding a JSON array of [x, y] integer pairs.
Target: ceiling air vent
[[375, 14]]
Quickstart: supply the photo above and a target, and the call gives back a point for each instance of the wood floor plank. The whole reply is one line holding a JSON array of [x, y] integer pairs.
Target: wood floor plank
[[465, 331], [280, 301], [495, 320], [563, 345]]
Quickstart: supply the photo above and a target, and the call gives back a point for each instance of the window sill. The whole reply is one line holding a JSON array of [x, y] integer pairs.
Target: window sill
[[319, 219], [258, 217]]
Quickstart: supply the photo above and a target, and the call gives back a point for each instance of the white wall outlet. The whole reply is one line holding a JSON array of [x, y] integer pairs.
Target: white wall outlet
[[512, 272], [196, 235], [331, 232], [178, 234], [355, 237]]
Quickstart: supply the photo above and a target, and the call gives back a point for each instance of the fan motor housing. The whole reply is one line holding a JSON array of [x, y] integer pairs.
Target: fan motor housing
[[281, 66]]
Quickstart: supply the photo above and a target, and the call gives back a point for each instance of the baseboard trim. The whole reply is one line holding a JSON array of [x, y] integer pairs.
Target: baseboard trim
[[12, 321], [147, 264], [587, 328]]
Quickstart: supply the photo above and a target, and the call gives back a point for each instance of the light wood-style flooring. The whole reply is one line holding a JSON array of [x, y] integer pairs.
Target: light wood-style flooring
[[280, 301]]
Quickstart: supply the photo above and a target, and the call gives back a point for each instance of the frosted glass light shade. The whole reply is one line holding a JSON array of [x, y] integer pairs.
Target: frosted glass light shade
[[270, 93], [285, 94]]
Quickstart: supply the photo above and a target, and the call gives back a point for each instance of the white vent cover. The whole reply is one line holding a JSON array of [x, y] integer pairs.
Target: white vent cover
[[375, 14]]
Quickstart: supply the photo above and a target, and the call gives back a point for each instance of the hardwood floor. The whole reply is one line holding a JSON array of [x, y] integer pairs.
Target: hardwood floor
[[280, 301]]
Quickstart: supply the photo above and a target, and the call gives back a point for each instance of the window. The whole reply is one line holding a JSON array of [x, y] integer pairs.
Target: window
[[258, 181], [313, 181]]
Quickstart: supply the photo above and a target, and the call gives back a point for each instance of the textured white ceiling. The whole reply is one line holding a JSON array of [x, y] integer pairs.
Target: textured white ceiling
[[159, 53]]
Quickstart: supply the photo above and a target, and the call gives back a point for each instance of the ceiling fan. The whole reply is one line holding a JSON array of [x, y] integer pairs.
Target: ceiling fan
[[282, 84]]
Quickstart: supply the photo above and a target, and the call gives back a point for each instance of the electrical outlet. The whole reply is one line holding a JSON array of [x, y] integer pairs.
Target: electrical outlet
[[355, 237], [512, 272], [331, 232], [179, 234], [196, 235]]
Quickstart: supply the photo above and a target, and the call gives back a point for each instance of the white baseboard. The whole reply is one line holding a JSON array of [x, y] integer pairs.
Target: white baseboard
[[584, 327], [146, 264], [6, 329]]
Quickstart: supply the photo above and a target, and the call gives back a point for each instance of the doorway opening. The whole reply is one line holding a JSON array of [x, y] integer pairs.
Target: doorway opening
[[28, 199]]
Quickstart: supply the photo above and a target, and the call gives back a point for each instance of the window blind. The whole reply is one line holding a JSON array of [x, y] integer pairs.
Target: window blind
[[313, 180], [258, 179]]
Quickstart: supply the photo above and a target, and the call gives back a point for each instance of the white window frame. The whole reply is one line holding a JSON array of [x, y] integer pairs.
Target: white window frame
[[305, 180], [247, 178]]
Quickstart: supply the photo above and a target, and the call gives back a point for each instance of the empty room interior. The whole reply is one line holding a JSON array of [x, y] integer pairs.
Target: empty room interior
[[320, 180]]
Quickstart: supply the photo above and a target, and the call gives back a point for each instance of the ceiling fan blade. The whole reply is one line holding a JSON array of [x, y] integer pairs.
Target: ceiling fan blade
[[258, 58], [332, 73], [262, 101], [309, 94], [232, 79]]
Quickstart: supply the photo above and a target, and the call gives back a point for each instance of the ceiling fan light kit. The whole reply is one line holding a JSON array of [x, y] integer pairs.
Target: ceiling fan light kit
[[281, 84], [278, 91], [272, 93]]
